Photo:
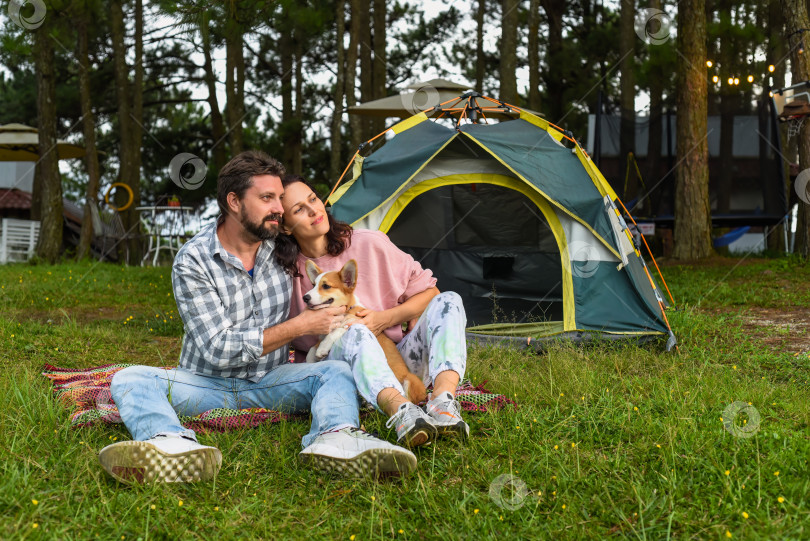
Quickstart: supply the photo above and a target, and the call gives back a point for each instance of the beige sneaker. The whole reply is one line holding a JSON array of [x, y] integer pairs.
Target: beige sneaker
[[354, 453], [162, 459], [413, 427]]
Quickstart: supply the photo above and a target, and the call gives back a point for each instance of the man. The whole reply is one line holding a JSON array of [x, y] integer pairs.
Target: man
[[233, 299]]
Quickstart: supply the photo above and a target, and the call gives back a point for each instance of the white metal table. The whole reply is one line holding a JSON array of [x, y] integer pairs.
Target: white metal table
[[166, 229]]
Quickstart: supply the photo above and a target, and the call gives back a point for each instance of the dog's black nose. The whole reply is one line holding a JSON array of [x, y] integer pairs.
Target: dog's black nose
[[306, 298]]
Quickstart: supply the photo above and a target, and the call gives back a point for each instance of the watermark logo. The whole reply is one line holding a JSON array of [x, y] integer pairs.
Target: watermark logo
[[584, 258], [423, 98], [187, 171], [27, 14], [741, 419], [653, 26], [801, 186], [508, 491]]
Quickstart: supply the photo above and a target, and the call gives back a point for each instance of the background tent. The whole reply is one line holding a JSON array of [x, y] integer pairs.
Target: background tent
[[20, 143], [514, 217]]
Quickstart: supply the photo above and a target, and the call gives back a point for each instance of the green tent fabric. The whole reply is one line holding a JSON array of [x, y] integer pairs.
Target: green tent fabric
[[515, 218], [537, 157]]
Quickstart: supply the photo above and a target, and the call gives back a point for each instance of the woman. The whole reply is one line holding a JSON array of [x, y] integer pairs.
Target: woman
[[394, 290]]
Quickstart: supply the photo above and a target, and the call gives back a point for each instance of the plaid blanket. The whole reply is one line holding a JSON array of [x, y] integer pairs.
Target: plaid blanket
[[87, 393]]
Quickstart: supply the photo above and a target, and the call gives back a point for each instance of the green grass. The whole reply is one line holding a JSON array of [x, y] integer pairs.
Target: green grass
[[619, 441]]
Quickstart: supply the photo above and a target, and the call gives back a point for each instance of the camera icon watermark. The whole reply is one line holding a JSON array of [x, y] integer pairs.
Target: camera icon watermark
[[802, 186], [653, 26], [187, 171], [508, 491], [741, 419], [27, 14], [425, 97], [584, 258]]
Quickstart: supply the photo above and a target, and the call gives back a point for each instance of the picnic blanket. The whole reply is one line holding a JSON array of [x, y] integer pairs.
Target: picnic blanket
[[87, 393]]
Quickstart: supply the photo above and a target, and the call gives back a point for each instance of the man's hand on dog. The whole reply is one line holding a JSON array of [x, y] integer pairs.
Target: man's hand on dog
[[322, 321], [376, 322]]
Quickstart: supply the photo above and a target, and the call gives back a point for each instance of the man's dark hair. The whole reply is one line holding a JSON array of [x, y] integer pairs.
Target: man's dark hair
[[237, 175]]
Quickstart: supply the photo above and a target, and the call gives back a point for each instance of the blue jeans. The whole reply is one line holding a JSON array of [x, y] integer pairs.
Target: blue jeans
[[149, 399]]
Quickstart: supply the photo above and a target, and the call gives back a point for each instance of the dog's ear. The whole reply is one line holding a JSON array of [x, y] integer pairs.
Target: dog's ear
[[348, 274], [313, 271]]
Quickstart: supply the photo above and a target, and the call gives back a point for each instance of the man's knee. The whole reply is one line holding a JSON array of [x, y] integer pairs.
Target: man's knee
[[129, 377], [335, 369]]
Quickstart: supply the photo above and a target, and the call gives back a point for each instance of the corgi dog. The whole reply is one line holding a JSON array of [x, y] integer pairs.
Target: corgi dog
[[336, 288]]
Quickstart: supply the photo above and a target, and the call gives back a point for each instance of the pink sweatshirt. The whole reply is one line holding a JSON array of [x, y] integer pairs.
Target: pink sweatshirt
[[386, 277]]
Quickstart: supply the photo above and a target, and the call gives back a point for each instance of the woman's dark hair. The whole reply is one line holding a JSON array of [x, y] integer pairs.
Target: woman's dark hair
[[338, 238]]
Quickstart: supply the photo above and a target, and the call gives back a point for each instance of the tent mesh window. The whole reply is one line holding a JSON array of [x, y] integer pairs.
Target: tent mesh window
[[490, 244]]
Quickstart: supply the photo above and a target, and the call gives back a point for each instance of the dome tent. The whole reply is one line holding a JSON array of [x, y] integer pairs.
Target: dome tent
[[513, 216]]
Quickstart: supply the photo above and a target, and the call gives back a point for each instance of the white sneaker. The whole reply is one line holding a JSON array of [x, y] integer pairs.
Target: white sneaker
[[162, 459], [445, 414], [355, 453]]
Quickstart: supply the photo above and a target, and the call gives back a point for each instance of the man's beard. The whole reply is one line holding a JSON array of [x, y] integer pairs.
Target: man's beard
[[261, 230]]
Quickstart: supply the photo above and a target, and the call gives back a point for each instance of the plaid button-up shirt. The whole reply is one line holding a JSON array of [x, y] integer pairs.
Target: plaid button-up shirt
[[225, 311]]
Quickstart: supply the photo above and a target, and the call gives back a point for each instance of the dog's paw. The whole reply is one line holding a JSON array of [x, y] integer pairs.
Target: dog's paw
[[312, 356]]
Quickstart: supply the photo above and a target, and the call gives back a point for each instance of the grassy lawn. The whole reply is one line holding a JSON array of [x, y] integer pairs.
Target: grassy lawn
[[620, 441]]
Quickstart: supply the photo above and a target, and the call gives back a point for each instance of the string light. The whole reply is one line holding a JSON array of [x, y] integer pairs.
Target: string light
[[731, 80], [736, 80], [771, 68], [750, 78], [715, 79], [709, 63]]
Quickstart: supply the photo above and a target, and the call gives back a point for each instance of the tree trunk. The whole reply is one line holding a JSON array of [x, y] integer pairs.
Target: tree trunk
[[656, 89], [553, 75], [627, 126], [296, 135], [728, 106], [287, 68], [234, 79], [49, 245], [508, 64], [692, 213], [534, 55], [366, 83], [131, 219], [126, 163], [378, 67], [336, 140], [89, 128], [795, 14], [355, 123], [480, 63], [776, 51], [219, 151]]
